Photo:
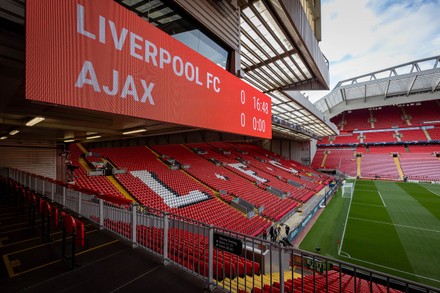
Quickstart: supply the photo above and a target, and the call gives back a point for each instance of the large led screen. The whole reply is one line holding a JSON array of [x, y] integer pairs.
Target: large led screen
[[98, 55]]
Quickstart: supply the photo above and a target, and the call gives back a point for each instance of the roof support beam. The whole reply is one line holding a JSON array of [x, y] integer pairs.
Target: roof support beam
[[435, 85], [365, 92], [329, 109], [344, 96], [410, 86], [386, 90], [271, 46]]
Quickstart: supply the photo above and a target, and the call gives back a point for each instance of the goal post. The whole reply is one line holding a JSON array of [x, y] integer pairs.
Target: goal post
[[347, 190]]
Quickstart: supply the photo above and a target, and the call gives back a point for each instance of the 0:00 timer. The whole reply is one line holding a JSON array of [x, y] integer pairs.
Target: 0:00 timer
[[259, 124]]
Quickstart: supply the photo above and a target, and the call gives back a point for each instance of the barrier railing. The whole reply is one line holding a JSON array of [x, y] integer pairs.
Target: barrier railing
[[223, 258]]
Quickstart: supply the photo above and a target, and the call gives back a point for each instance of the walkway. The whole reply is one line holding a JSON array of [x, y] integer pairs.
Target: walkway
[[106, 264]]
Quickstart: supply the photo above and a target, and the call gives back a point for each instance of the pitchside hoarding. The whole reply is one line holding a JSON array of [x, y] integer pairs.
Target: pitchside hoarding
[[98, 55]]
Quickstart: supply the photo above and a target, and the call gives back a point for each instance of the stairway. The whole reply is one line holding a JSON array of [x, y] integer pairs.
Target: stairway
[[120, 188], [84, 164], [399, 167], [405, 116], [82, 147], [428, 137], [358, 161], [324, 159], [247, 283]]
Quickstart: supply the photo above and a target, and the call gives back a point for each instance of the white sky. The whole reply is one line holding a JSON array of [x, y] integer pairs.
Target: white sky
[[362, 36]]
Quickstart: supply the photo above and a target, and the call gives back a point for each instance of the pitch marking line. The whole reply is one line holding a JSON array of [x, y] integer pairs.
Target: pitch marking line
[[397, 225], [400, 271], [381, 199], [433, 192], [346, 219], [367, 204], [365, 190]]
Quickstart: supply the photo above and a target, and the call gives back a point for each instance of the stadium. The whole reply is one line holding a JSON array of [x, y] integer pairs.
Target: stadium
[[165, 145]]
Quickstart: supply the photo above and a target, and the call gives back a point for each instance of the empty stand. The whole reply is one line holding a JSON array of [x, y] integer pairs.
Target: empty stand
[[421, 165], [388, 117], [423, 112], [434, 133], [175, 191], [379, 165], [413, 135], [318, 159], [357, 119], [192, 247], [349, 138], [386, 136], [98, 184], [343, 160], [383, 149], [220, 178]]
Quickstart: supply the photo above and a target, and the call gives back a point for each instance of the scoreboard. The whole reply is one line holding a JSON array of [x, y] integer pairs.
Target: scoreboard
[[98, 55]]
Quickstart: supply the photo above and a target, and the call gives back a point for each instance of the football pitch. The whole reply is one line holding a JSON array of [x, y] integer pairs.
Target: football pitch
[[386, 226]]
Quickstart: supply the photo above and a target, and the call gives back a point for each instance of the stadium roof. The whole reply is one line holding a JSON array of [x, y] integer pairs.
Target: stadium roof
[[409, 82], [275, 59]]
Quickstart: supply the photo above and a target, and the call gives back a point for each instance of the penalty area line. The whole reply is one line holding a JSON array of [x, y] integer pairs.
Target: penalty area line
[[346, 220], [367, 204], [393, 269], [396, 225], [433, 192], [382, 199]]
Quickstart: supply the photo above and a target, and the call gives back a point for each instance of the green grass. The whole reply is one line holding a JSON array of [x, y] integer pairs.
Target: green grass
[[390, 227]]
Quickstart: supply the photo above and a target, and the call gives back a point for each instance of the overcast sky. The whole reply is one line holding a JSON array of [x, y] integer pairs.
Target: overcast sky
[[362, 36]]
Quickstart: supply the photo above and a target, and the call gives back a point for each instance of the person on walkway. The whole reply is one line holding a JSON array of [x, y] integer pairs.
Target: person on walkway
[[272, 233], [287, 230], [265, 234]]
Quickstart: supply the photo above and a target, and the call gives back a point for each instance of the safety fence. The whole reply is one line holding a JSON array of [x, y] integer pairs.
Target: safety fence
[[223, 258]]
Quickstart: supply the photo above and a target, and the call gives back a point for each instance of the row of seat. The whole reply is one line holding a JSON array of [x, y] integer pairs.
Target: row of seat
[[53, 217], [219, 178], [187, 248], [388, 116], [330, 282], [202, 176], [421, 162]]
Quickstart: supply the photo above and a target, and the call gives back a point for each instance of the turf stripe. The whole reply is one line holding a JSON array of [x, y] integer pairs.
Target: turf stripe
[[406, 207], [370, 240], [426, 197]]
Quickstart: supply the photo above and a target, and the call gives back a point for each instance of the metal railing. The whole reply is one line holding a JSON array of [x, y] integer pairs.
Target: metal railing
[[223, 258]]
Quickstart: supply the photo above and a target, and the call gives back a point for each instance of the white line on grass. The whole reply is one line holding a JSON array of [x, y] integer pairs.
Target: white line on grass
[[346, 220], [397, 225], [366, 190], [367, 204], [381, 199], [375, 264], [433, 192]]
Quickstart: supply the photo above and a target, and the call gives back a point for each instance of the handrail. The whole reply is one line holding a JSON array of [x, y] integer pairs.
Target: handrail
[[186, 242]]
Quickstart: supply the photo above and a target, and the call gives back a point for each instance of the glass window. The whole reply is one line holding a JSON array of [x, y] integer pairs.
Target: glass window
[[201, 43], [178, 25]]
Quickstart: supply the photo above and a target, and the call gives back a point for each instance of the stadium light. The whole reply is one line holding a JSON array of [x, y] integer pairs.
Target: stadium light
[[93, 137], [14, 132], [34, 121], [69, 140], [3, 137], [133, 131]]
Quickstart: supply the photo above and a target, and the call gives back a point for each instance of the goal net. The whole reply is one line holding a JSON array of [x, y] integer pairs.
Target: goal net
[[347, 190]]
